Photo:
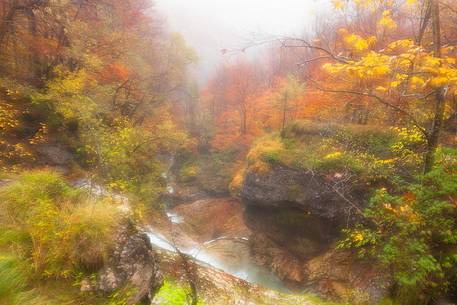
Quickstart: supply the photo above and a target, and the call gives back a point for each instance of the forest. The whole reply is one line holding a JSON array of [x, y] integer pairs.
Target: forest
[[321, 170]]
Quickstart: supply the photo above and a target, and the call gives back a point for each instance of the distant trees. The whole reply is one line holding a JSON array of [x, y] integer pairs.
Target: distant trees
[[379, 62]]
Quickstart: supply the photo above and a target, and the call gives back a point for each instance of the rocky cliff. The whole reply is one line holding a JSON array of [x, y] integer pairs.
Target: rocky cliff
[[299, 192]]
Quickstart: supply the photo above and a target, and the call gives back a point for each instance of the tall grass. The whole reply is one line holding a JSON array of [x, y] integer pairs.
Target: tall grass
[[49, 230]]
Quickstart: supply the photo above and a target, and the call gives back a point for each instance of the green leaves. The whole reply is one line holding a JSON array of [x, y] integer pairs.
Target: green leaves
[[413, 233]]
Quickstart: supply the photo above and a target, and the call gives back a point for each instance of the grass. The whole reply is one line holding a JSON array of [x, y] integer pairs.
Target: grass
[[325, 148], [50, 232]]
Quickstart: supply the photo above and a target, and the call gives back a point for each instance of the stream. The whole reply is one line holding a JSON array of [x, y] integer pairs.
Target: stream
[[227, 253]]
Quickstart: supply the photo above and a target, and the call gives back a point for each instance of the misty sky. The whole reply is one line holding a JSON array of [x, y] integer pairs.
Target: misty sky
[[212, 25]]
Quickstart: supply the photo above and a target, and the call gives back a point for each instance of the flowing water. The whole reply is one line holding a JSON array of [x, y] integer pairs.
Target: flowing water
[[229, 254]]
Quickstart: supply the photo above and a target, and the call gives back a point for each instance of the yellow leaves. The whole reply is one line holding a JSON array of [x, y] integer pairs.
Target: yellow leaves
[[371, 41], [373, 66], [386, 161], [450, 60], [386, 22], [334, 155], [411, 2], [338, 4], [432, 62], [358, 237], [416, 82], [69, 83], [395, 84], [356, 42], [402, 65], [40, 136], [363, 3], [402, 45], [381, 70], [381, 89], [8, 117], [260, 167], [440, 81]]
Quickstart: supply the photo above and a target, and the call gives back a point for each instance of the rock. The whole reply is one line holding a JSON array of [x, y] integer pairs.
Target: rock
[[283, 239], [54, 154], [339, 274], [131, 265], [296, 216], [281, 262], [290, 187]]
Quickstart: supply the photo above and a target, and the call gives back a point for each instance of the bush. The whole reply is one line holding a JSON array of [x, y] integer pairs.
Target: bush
[[45, 221], [189, 172], [414, 234]]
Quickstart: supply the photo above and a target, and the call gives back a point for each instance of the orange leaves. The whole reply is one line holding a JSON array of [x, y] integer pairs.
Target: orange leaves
[[114, 73], [409, 197]]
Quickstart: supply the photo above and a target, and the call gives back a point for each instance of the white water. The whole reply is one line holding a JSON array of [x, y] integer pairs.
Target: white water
[[174, 218], [243, 268]]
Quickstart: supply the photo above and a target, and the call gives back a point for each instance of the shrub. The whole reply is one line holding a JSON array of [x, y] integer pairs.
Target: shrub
[[414, 234], [189, 172], [237, 181], [267, 149], [57, 228]]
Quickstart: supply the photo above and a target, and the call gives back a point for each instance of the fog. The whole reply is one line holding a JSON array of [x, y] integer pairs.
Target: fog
[[212, 25]]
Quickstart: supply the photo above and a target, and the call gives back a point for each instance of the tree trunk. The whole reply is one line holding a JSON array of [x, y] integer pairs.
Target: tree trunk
[[284, 111], [440, 96], [243, 129]]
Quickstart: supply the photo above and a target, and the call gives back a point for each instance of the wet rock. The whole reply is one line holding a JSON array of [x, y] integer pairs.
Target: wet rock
[[213, 218], [131, 265], [339, 274], [281, 262], [284, 239]]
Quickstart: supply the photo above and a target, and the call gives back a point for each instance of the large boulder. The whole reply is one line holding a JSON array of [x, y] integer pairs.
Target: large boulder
[[329, 195], [131, 266]]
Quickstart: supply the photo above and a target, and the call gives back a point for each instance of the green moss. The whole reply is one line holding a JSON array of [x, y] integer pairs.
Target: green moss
[[172, 293], [361, 150]]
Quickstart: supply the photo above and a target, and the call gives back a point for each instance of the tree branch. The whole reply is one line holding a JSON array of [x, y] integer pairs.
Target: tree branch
[[379, 99]]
